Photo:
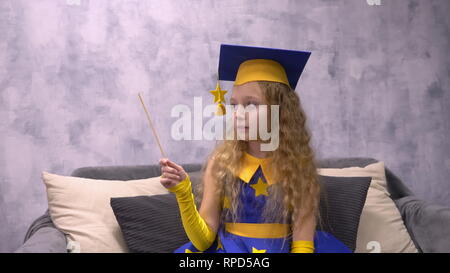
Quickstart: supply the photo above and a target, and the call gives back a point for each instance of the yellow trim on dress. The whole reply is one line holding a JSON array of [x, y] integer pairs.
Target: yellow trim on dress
[[249, 165], [259, 230]]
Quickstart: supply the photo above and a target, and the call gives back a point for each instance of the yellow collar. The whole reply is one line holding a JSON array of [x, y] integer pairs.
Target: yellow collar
[[249, 165]]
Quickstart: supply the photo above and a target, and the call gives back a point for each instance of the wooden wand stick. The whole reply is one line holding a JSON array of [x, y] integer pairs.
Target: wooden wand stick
[[153, 128]]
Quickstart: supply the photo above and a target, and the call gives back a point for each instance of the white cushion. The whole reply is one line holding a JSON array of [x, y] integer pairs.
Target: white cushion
[[381, 227], [80, 207]]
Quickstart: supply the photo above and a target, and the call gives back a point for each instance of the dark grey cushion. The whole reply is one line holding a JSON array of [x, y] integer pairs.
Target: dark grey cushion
[[153, 223], [341, 204], [150, 223]]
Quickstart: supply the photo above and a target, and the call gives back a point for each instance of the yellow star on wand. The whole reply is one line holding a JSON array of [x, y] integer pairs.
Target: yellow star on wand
[[218, 94]]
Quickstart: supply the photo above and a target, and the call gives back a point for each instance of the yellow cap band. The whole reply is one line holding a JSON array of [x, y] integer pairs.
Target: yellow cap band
[[261, 70]]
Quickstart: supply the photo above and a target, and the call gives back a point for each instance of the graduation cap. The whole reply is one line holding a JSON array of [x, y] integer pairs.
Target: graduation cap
[[243, 64]]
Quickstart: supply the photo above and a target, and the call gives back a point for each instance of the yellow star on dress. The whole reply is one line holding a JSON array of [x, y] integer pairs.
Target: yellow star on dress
[[190, 251], [226, 203], [254, 250], [219, 244], [260, 188]]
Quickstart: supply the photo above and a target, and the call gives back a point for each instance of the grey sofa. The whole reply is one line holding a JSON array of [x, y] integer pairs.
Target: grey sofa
[[427, 224]]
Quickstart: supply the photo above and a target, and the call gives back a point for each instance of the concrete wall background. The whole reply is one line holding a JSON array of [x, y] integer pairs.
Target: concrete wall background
[[376, 85]]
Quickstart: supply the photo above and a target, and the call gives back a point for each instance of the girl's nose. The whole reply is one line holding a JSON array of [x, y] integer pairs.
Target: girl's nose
[[239, 111]]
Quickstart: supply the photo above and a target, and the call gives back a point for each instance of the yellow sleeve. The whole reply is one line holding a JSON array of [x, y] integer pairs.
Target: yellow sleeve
[[302, 247], [197, 230]]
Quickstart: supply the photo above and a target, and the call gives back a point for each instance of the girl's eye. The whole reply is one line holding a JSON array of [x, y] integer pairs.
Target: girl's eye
[[234, 106], [252, 103]]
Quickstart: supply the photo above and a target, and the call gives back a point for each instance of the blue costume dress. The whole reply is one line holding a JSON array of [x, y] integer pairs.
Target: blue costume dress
[[250, 234]]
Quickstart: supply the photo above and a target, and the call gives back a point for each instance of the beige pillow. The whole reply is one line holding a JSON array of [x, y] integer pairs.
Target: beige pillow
[[80, 207], [381, 227]]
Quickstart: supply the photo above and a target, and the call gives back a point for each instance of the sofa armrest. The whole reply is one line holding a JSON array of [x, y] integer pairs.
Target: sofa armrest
[[45, 240], [427, 223], [43, 236]]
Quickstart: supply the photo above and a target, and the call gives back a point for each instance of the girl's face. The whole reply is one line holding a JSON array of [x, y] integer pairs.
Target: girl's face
[[246, 99]]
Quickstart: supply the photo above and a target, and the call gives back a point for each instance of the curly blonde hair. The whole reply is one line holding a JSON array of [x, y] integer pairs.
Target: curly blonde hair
[[293, 165]]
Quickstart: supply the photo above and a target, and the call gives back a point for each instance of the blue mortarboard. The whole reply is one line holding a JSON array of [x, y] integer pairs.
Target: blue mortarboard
[[245, 63]]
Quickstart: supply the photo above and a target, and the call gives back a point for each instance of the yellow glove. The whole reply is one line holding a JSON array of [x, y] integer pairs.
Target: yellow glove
[[302, 247], [197, 230]]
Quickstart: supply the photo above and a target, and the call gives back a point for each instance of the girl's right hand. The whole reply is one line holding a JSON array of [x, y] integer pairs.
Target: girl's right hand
[[171, 174]]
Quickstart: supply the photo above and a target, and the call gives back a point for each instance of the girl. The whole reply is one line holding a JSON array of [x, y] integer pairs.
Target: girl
[[256, 200]]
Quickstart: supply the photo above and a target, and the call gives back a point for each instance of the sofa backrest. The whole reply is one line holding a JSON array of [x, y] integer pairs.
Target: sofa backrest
[[130, 172]]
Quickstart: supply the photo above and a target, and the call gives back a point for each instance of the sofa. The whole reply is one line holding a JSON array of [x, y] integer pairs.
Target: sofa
[[427, 224]]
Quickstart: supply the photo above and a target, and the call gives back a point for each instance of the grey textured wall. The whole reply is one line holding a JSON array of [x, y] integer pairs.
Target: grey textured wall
[[376, 85]]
